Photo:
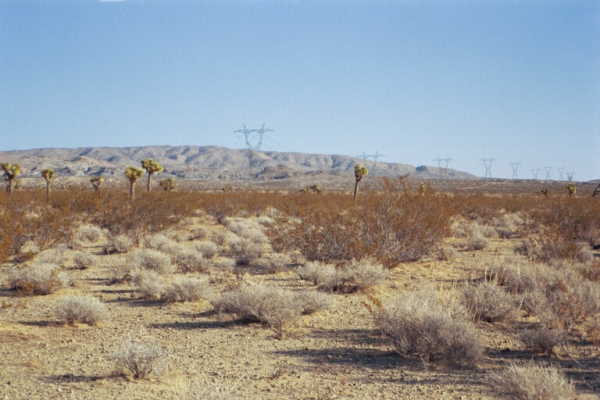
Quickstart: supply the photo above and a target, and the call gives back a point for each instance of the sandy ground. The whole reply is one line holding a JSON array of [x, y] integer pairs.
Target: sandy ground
[[333, 354]]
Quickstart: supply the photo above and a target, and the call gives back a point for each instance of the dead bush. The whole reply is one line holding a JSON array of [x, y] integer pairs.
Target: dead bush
[[140, 360], [153, 260], [87, 235], [357, 275], [419, 325], [447, 253], [185, 288], [392, 226], [312, 301], [245, 251], [488, 302], [86, 309], [207, 248], [189, 259], [119, 244], [271, 305], [149, 284], [542, 340], [83, 260], [508, 225], [38, 279], [532, 382], [475, 238]]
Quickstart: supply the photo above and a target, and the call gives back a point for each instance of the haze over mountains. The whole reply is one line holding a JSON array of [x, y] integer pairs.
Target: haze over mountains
[[208, 162]]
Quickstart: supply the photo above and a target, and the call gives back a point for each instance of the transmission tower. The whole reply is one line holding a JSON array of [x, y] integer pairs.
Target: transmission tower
[[487, 165], [548, 172], [376, 156], [561, 174], [535, 173], [570, 175], [248, 137], [446, 162], [515, 169]]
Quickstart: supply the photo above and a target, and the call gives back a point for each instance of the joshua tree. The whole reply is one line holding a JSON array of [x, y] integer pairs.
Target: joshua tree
[[133, 174], [571, 189], [168, 185], [360, 171], [11, 172], [48, 175], [96, 182], [152, 167], [545, 192]]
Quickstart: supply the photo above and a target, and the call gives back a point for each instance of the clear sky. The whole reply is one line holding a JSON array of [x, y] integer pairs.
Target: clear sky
[[414, 80]]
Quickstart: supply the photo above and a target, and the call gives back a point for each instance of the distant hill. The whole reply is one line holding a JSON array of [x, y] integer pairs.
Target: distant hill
[[208, 162]]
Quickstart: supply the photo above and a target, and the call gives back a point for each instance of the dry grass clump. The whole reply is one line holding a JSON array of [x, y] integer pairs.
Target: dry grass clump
[[542, 340], [152, 260], [420, 326], [508, 225], [51, 256], [245, 251], [185, 288], [312, 301], [152, 286], [189, 259], [247, 229], [207, 248], [488, 302], [532, 382], [447, 253], [358, 275], [149, 284], [271, 305], [224, 263], [38, 279], [140, 360], [119, 244], [83, 260], [199, 233], [273, 261], [86, 309], [476, 240], [87, 234], [162, 242], [517, 276]]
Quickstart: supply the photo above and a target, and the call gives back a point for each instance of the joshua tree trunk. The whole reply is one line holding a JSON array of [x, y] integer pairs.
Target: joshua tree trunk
[[47, 192], [131, 191], [355, 189], [148, 182], [9, 186]]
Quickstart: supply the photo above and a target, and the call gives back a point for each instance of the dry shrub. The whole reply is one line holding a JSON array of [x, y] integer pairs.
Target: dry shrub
[[475, 238], [508, 225], [548, 247], [488, 302], [38, 279], [86, 309], [518, 276], [419, 325], [390, 226], [357, 275], [312, 301], [140, 360], [207, 248], [245, 251], [161, 242], [224, 263], [542, 339], [87, 235], [271, 305], [152, 260], [273, 261], [189, 259], [51, 256], [532, 382], [198, 234], [447, 253], [83, 260], [119, 244], [185, 288], [149, 284]]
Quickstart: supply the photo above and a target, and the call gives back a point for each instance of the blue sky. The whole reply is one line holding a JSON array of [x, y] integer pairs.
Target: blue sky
[[414, 80]]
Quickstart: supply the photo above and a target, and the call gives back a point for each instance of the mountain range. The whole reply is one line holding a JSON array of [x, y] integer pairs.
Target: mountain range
[[209, 162]]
